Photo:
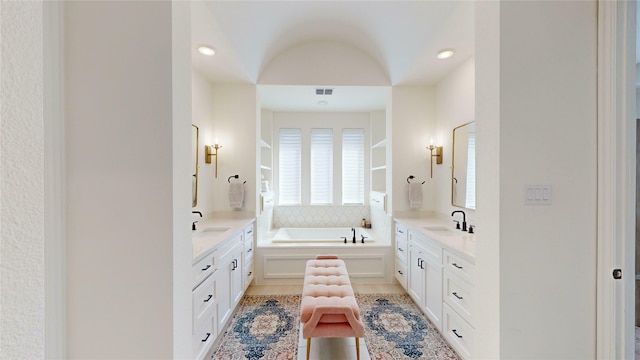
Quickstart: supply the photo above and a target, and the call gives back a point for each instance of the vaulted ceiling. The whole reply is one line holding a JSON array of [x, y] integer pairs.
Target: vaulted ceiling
[[403, 37]]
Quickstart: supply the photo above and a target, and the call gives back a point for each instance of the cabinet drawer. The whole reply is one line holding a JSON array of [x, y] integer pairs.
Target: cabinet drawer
[[459, 295], [402, 251], [248, 274], [248, 243], [202, 269], [432, 250], [401, 273], [203, 338], [401, 232], [203, 299], [248, 236], [458, 332], [459, 267]]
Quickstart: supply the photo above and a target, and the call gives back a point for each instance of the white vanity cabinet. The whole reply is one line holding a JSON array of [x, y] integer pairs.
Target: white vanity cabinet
[[219, 281], [229, 278], [247, 260], [425, 275], [204, 305], [441, 281], [459, 294], [402, 254]]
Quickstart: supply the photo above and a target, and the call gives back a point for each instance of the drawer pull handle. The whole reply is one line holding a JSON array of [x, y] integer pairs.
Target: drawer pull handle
[[400, 272], [400, 249], [206, 267], [206, 338], [249, 274], [209, 298], [456, 295], [456, 333], [456, 266], [250, 250], [401, 232]]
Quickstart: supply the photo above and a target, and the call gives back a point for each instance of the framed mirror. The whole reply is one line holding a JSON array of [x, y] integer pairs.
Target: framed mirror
[[463, 166], [194, 165]]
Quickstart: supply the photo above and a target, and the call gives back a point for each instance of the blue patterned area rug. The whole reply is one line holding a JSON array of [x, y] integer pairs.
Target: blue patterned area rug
[[396, 329], [267, 327], [263, 327]]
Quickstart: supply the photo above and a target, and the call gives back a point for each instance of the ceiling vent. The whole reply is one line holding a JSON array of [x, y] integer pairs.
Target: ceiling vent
[[324, 91]]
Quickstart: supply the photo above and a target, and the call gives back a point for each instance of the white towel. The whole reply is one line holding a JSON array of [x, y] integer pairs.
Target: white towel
[[415, 195], [236, 195]]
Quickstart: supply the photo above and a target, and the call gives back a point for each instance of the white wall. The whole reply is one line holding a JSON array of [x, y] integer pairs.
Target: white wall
[[541, 130], [234, 114], [128, 191], [22, 219], [455, 106], [413, 122]]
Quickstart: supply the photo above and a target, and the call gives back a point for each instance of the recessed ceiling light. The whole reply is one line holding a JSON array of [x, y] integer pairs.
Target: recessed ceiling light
[[445, 54], [323, 103], [206, 50]]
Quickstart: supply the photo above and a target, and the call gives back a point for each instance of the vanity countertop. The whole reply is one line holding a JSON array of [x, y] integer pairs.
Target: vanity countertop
[[437, 229], [212, 230]]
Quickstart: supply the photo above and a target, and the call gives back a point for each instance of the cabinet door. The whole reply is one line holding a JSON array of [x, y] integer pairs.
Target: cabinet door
[[236, 277], [416, 274], [223, 283], [433, 292]]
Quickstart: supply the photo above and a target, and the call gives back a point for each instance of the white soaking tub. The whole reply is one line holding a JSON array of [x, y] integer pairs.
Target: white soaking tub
[[304, 236]]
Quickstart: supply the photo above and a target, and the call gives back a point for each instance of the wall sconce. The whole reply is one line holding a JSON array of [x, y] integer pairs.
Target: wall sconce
[[208, 153], [437, 155]]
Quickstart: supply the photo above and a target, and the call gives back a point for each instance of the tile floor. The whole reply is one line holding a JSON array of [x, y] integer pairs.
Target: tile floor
[[328, 348]]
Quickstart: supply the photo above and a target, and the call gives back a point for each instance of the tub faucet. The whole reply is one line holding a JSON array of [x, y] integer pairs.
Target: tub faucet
[[354, 234], [464, 219], [193, 225]]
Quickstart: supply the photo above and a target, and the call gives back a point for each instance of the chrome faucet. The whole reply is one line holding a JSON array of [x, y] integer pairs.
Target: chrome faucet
[[464, 219]]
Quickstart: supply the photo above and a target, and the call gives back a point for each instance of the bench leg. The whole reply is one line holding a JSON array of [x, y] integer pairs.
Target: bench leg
[[308, 347], [357, 348]]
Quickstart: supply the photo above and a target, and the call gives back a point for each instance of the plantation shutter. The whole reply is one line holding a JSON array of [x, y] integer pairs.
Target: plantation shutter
[[471, 171], [353, 166], [321, 166], [289, 168]]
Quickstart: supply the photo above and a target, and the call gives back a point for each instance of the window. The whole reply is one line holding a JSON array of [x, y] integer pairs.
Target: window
[[289, 175], [353, 166], [321, 166], [471, 172]]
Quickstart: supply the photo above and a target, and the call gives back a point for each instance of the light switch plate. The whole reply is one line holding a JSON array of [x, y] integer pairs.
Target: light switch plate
[[537, 194]]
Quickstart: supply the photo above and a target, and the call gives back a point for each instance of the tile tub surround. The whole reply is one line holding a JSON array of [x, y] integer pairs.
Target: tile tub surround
[[319, 216]]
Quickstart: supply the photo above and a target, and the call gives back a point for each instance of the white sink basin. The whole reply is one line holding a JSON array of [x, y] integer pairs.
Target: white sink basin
[[211, 231], [442, 230]]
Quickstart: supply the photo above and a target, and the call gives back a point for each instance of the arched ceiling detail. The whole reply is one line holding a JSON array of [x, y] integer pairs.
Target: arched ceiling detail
[[324, 62]]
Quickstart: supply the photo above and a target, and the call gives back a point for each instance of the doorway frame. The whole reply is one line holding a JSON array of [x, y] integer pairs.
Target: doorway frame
[[615, 299]]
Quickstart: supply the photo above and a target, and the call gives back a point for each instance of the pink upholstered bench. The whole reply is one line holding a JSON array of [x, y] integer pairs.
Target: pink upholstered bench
[[328, 307]]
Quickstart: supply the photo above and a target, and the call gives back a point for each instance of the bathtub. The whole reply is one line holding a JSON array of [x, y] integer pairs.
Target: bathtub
[[280, 259], [321, 236]]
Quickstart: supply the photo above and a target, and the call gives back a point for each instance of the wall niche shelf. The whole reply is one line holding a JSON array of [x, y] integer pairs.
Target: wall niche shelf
[[378, 152], [380, 144]]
